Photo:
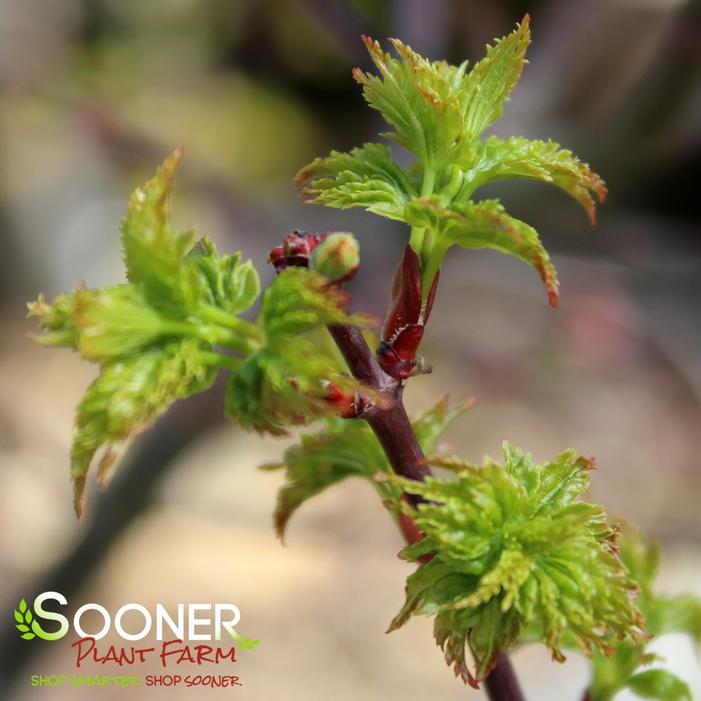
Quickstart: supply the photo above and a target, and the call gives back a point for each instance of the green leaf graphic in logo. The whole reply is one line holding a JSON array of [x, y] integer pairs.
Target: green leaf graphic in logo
[[24, 617], [244, 643]]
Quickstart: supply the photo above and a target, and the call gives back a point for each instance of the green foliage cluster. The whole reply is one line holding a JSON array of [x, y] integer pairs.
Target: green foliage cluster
[[349, 448], [438, 112], [165, 334], [512, 546], [663, 614], [295, 308]]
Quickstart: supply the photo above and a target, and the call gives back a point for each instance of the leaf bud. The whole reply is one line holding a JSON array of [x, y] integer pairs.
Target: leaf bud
[[337, 257]]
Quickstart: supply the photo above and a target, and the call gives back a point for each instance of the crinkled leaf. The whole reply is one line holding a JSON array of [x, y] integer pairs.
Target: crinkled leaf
[[127, 396], [153, 253], [485, 224], [161, 336], [229, 284], [436, 109], [419, 98], [526, 552], [116, 321], [300, 300], [346, 449], [438, 112], [365, 177], [286, 382], [518, 157], [659, 684], [490, 81], [57, 320]]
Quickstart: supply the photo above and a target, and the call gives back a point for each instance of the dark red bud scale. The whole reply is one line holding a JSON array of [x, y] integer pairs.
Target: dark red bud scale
[[295, 250], [405, 303], [406, 318]]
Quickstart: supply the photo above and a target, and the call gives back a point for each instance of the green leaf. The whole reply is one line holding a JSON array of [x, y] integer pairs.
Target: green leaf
[[153, 253], [161, 336], [126, 398], [285, 386], [22, 628], [489, 83], [18, 617], [659, 684], [116, 321], [57, 320], [300, 300], [347, 448], [483, 224], [516, 549], [420, 99], [28, 636], [436, 109], [430, 425], [518, 157], [286, 382], [28, 616], [662, 614], [228, 283], [365, 177], [22, 605]]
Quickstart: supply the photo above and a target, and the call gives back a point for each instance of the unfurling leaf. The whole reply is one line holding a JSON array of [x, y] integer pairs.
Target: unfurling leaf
[[485, 224], [159, 337], [116, 321], [517, 157], [438, 112], [228, 284], [288, 381], [153, 253], [488, 84], [513, 547], [126, 398], [57, 320], [437, 109], [348, 449], [365, 177], [300, 300], [287, 385]]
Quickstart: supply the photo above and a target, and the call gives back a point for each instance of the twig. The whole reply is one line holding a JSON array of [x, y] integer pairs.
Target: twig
[[393, 429]]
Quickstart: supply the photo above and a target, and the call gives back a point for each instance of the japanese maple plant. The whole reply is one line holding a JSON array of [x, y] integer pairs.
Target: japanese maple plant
[[507, 552]]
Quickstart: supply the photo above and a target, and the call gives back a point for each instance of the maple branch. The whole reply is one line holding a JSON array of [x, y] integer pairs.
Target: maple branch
[[391, 425]]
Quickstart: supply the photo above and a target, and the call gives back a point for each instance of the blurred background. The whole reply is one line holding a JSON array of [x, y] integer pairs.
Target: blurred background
[[95, 93]]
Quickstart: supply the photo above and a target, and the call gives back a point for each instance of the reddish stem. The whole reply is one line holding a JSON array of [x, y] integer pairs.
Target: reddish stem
[[393, 429]]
